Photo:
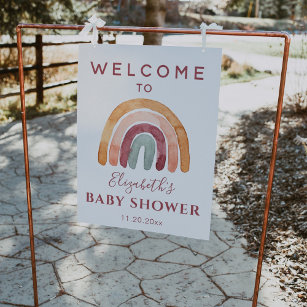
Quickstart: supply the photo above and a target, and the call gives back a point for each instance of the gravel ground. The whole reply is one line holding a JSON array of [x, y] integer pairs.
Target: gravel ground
[[242, 164]]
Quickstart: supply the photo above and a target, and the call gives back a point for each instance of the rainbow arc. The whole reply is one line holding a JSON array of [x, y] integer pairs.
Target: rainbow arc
[[149, 123]]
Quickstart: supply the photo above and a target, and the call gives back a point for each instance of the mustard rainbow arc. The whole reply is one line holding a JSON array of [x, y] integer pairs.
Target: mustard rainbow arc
[[149, 123]]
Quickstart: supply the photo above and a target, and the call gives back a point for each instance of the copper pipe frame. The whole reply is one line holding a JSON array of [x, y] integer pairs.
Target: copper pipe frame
[[283, 35]]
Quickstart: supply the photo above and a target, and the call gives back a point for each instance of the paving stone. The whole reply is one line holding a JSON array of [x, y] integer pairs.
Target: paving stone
[[6, 231], [140, 301], [73, 182], [8, 195], [24, 228], [66, 301], [118, 236], [184, 256], [4, 175], [232, 238], [22, 217], [219, 224], [50, 214], [58, 194], [110, 289], [70, 269], [6, 219], [4, 161], [16, 287], [7, 172], [232, 302], [22, 205], [217, 211], [68, 237], [11, 264], [46, 159], [39, 147], [12, 245], [8, 209], [43, 252], [58, 123], [71, 130], [68, 147], [14, 144], [239, 285], [209, 248], [105, 258], [234, 260], [150, 248], [37, 169], [15, 159], [15, 186], [57, 178], [190, 287], [10, 129], [65, 167], [144, 269], [155, 235], [269, 294]]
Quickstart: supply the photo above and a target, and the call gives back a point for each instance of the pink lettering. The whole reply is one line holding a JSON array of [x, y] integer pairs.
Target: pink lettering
[[95, 70], [166, 73], [116, 67], [199, 71], [129, 72], [89, 197], [142, 70], [184, 70]]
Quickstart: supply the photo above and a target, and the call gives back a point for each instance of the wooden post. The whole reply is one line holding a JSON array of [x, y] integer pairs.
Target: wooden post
[[100, 39], [39, 69]]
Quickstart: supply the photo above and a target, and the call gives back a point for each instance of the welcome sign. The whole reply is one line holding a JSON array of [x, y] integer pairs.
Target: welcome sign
[[147, 120]]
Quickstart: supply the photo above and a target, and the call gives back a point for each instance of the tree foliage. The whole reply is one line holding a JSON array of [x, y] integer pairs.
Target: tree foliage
[[272, 8], [13, 12]]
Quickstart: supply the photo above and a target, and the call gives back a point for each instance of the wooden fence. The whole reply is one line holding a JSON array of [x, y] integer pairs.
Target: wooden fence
[[40, 66]]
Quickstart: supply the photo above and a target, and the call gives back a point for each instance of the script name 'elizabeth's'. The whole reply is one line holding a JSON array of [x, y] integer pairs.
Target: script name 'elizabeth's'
[[147, 70]]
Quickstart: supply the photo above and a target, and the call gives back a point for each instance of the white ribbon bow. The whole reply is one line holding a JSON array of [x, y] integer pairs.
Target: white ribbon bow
[[204, 27], [93, 23]]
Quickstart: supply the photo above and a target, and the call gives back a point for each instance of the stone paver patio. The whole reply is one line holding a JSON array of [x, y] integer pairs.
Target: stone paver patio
[[90, 265]]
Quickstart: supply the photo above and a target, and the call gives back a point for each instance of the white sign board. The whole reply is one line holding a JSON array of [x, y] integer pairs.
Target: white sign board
[[147, 120]]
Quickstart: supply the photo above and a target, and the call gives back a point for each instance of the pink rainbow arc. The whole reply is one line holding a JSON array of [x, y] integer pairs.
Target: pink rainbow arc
[[138, 129], [154, 119]]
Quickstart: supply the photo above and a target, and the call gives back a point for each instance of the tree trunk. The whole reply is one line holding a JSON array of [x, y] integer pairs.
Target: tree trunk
[[155, 17], [257, 8]]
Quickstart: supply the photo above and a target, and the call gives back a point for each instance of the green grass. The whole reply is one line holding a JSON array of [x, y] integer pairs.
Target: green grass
[[54, 103], [245, 77], [244, 23], [298, 49]]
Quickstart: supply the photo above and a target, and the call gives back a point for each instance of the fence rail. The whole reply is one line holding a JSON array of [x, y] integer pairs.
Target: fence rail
[[34, 67], [39, 67]]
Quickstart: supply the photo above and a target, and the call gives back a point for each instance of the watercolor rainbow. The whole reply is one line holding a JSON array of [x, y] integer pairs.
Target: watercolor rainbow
[[149, 123]]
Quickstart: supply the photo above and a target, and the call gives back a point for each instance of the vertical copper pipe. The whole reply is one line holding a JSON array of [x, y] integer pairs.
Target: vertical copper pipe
[[26, 158], [272, 167]]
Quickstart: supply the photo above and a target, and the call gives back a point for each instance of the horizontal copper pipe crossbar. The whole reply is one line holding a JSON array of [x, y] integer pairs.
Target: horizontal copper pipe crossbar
[[157, 30], [283, 35]]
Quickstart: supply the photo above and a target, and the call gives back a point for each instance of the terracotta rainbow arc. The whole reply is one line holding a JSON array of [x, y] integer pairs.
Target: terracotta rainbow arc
[[149, 123]]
